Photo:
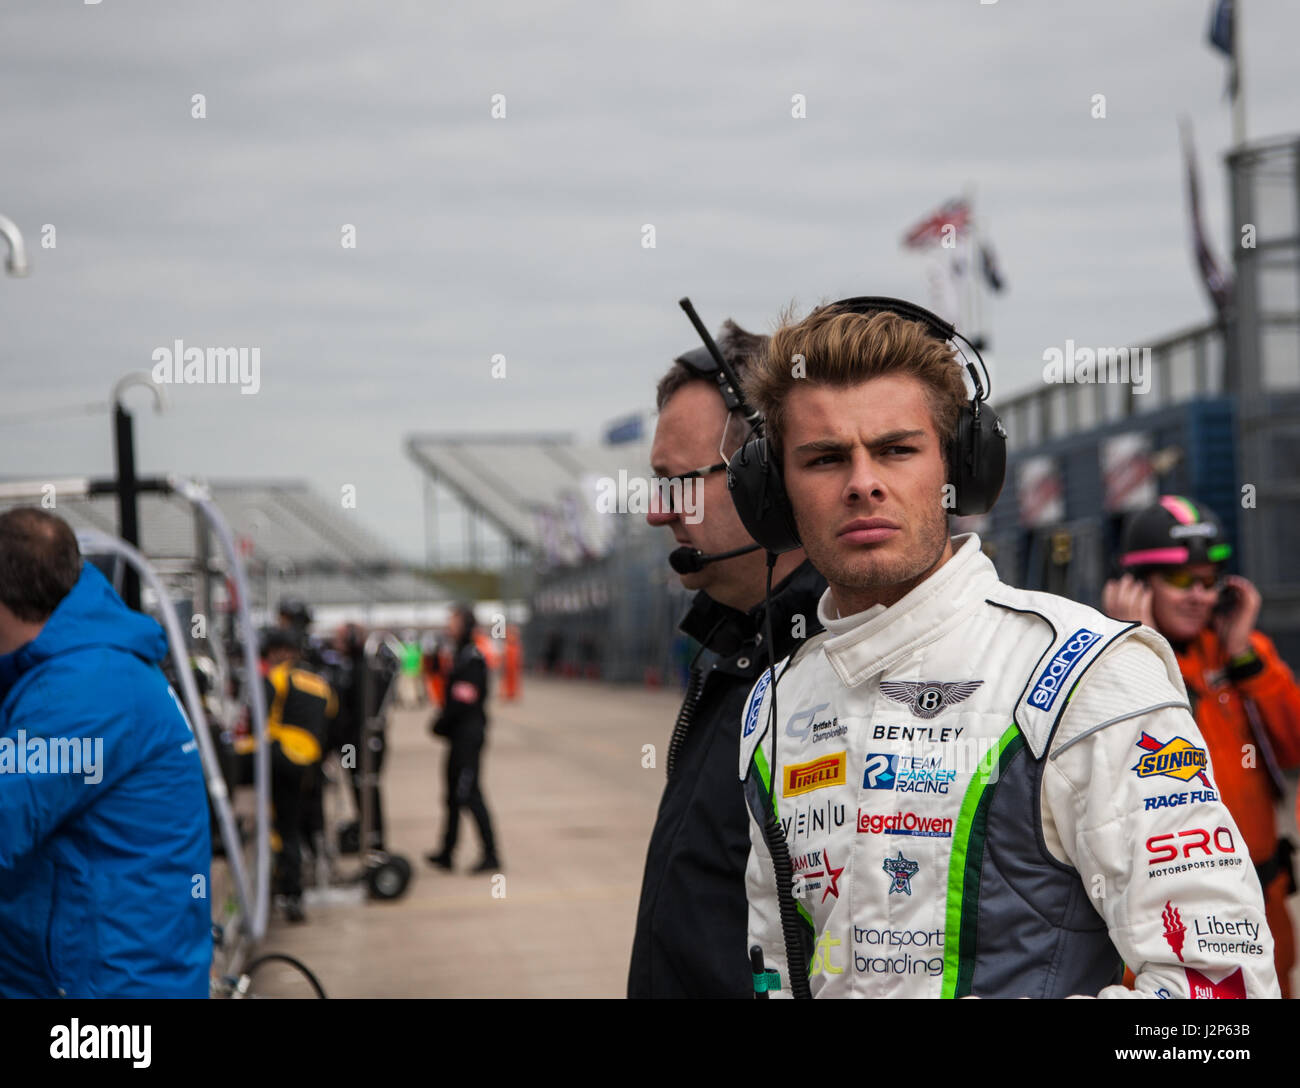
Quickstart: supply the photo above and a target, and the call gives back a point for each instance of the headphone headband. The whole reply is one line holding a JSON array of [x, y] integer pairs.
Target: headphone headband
[[943, 330], [976, 457]]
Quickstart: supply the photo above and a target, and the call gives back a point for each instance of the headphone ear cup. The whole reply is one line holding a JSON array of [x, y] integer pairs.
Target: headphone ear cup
[[758, 493], [977, 460]]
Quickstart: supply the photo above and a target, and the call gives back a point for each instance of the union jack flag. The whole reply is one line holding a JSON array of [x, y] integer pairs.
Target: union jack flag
[[955, 213]]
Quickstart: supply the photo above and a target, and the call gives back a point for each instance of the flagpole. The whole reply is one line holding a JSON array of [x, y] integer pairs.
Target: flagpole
[[973, 272], [1239, 83]]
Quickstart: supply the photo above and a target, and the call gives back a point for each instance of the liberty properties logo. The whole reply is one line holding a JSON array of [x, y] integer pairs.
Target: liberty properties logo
[[1053, 678]]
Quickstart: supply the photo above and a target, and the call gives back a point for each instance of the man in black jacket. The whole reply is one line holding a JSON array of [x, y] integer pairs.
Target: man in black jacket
[[464, 723], [691, 924]]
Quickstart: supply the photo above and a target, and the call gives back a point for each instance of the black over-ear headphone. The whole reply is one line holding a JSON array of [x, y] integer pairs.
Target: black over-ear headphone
[[976, 458]]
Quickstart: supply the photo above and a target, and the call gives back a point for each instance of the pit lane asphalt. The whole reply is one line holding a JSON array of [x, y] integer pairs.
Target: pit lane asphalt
[[573, 808]]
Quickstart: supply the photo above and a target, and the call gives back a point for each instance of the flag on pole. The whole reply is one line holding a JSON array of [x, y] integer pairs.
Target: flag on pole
[[953, 217], [1217, 282], [989, 266], [1223, 36]]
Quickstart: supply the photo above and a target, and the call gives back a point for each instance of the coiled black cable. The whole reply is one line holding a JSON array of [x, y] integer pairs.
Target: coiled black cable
[[694, 689], [782, 868]]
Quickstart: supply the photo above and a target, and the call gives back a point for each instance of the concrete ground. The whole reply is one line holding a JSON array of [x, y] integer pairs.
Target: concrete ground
[[573, 807]]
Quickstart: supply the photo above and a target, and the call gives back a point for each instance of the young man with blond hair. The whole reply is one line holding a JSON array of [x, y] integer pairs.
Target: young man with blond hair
[[983, 826]]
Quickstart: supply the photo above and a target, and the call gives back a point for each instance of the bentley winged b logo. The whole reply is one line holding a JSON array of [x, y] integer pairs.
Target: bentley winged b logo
[[928, 697]]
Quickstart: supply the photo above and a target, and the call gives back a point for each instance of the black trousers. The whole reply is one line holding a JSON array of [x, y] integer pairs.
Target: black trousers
[[377, 809], [465, 791], [290, 789]]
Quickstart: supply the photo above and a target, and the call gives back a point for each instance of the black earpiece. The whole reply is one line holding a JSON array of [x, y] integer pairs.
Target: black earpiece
[[976, 458]]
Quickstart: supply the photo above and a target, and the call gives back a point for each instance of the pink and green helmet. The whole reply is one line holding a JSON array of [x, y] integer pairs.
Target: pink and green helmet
[[1173, 532]]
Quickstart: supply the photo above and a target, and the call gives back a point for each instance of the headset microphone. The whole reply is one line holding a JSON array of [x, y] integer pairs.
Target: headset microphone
[[688, 560]]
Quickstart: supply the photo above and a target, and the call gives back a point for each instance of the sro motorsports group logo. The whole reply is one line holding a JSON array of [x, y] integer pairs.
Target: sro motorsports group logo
[[654, 495]]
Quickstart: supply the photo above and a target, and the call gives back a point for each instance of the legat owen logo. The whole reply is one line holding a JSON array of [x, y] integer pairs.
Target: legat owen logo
[[1178, 758], [814, 775], [904, 823]]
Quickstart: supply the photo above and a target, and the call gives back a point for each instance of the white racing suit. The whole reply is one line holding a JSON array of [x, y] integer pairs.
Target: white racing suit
[[993, 792]]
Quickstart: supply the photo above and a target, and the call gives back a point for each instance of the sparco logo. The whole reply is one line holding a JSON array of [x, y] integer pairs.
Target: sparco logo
[[1053, 678], [904, 823], [755, 702]]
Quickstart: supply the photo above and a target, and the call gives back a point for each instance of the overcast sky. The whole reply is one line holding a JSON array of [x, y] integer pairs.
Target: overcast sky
[[522, 236]]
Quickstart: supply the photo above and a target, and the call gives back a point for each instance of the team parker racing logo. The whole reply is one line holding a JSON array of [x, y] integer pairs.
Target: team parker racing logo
[[813, 775], [1179, 759]]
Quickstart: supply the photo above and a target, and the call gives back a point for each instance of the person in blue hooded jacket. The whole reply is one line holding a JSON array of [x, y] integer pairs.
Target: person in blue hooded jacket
[[104, 835]]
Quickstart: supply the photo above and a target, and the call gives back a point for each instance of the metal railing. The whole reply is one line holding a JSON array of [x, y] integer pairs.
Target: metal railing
[[1182, 367]]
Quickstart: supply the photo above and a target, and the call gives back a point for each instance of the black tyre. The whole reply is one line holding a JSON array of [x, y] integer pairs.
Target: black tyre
[[389, 879]]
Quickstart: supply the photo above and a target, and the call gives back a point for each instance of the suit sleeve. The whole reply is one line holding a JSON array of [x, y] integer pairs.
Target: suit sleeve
[[1129, 800], [764, 925]]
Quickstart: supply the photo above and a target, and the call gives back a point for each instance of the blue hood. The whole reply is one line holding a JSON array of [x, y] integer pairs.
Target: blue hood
[[91, 615]]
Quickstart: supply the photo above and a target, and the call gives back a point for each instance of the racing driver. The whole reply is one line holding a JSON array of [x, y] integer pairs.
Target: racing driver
[[982, 791]]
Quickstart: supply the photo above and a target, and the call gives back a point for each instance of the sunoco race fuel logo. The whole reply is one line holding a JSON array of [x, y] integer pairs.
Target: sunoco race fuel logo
[[1178, 758], [1053, 679]]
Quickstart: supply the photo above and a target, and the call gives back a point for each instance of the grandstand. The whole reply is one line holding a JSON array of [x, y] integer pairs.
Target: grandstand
[[294, 543]]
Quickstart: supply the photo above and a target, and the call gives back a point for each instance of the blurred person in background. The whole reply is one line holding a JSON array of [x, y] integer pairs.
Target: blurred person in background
[[410, 685], [463, 723], [1244, 697], [691, 922], [104, 867], [300, 706], [293, 616], [513, 666], [346, 674]]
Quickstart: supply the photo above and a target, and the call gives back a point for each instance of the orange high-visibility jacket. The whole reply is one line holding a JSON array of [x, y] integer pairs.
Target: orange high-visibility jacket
[[1217, 702]]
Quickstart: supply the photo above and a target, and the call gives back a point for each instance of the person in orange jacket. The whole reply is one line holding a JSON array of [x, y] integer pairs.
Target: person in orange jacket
[[513, 667], [1244, 697]]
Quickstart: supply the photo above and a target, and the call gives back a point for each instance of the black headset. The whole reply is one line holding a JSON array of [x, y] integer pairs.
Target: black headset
[[976, 458]]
